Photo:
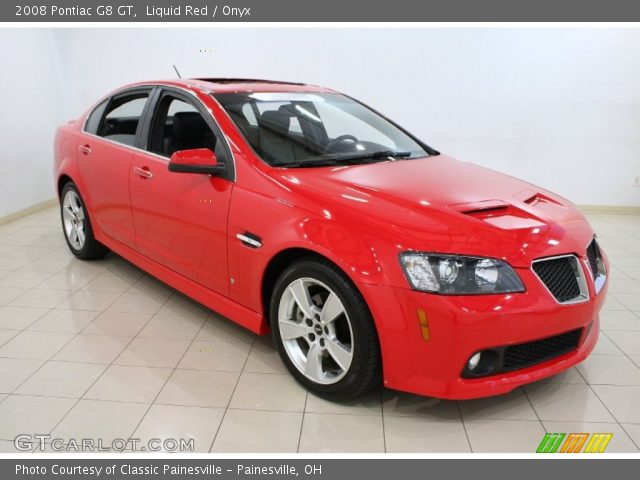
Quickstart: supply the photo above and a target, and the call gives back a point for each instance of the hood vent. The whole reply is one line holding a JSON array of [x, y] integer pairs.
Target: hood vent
[[485, 208], [499, 214], [486, 211], [539, 198]]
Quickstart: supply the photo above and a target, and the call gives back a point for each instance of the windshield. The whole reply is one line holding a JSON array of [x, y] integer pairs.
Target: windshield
[[313, 129]]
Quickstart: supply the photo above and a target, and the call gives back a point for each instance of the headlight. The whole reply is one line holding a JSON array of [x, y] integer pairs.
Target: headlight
[[458, 274]]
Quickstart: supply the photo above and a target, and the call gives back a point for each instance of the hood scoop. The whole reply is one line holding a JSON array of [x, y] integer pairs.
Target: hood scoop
[[499, 214], [482, 209]]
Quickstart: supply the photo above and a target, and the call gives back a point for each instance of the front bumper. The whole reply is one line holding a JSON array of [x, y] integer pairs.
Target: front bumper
[[460, 326]]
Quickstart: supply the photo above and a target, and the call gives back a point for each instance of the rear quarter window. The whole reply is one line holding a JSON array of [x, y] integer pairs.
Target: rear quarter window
[[93, 120]]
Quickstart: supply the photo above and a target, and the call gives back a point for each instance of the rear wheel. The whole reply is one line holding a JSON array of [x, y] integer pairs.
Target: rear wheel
[[324, 331], [77, 226]]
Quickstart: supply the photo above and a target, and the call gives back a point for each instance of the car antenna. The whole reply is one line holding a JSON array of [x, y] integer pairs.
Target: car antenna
[[176, 69]]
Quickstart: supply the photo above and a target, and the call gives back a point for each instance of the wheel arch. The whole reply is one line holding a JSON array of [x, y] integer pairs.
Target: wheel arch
[[63, 179], [373, 367], [280, 262]]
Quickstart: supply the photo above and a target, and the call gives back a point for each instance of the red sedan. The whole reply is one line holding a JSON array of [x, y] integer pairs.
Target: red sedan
[[370, 256]]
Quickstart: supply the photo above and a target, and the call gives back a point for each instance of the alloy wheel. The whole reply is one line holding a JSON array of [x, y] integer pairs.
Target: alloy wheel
[[315, 330], [73, 218]]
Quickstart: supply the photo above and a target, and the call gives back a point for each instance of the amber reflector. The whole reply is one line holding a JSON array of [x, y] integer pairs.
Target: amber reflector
[[424, 324]]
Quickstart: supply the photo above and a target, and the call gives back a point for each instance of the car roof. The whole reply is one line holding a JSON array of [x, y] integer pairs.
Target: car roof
[[234, 85]]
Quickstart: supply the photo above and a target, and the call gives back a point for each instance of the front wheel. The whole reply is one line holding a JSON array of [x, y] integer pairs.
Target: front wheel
[[77, 226], [324, 331]]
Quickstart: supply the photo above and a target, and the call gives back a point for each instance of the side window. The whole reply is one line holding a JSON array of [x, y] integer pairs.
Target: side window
[[121, 118], [177, 125], [93, 121]]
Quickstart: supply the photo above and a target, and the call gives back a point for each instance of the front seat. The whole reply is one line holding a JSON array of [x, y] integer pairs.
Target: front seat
[[189, 131], [272, 135], [275, 139]]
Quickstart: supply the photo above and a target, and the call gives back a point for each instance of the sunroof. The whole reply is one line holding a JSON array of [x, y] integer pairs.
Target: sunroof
[[245, 80]]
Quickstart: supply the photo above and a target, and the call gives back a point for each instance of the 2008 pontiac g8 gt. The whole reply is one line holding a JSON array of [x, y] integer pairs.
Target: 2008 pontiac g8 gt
[[370, 256]]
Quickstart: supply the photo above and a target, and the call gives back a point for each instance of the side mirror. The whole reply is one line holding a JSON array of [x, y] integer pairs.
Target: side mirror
[[197, 160]]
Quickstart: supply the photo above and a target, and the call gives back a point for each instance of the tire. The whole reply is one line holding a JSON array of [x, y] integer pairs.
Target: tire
[[76, 225], [330, 345]]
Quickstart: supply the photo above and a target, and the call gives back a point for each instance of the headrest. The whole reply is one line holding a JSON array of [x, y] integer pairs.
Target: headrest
[[276, 119], [188, 126]]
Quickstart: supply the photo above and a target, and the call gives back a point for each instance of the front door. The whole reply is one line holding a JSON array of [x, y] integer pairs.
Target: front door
[[180, 219]]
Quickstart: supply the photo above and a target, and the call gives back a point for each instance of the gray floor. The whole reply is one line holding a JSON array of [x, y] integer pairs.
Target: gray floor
[[101, 350]]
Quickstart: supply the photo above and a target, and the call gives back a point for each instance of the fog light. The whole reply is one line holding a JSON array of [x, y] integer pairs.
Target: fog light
[[474, 361]]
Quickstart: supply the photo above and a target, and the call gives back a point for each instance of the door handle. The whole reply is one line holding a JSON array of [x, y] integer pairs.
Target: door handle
[[143, 172], [85, 149]]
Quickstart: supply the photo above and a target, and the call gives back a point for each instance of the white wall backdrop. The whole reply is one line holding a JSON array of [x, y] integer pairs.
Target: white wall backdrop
[[557, 107], [31, 104]]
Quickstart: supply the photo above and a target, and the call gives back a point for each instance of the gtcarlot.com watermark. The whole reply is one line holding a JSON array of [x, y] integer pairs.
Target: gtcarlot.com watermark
[[42, 442]]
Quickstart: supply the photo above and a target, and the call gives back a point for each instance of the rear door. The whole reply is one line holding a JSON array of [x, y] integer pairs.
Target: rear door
[[181, 218], [106, 148]]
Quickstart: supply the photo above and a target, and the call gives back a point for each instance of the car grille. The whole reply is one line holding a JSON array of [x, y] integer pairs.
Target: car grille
[[560, 276], [527, 354]]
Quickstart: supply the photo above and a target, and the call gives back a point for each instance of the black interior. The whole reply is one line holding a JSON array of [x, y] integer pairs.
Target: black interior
[[187, 130], [121, 129], [273, 138], [169, 131], [181, 131]]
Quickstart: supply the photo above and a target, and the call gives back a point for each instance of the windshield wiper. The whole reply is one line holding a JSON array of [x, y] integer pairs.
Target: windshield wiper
[[373, 155], [320, 162], [344, 160]]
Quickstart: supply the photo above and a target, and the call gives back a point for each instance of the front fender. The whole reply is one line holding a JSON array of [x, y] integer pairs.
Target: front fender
[[281, 226]]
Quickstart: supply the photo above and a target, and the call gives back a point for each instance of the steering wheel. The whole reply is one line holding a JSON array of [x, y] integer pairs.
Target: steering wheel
[[340, 139]]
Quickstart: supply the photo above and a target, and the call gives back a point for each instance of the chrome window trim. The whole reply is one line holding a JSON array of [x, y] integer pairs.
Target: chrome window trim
[[130, 147], [581, 278], [155, 155]]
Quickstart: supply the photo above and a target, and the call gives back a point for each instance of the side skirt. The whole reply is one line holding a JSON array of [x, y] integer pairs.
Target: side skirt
[[216, 302]]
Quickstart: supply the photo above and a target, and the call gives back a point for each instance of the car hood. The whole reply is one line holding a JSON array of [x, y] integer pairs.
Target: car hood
[[441, 204]]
